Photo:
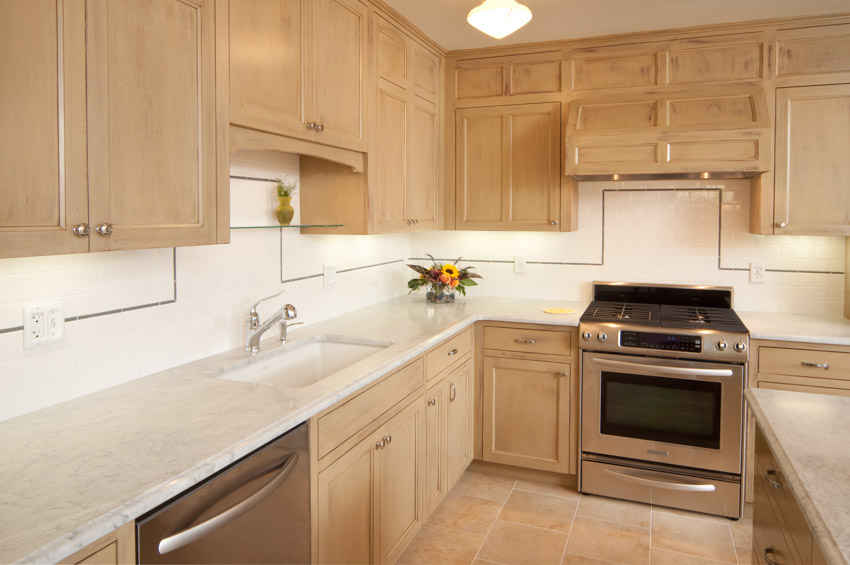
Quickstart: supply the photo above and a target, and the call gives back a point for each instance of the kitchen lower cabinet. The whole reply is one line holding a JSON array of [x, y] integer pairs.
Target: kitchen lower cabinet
[[803, 367], [527, 413], [114, 126], [459, 420], [117, 547], [436, 415], [370, 501]]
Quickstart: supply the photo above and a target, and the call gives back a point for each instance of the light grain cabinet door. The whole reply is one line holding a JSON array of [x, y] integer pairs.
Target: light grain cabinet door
[[423, 191], [151, 122], [345, 507], [399, 491], [508, 168], [436, 418], [43, 191], [460, 421], [392, 132], [338, 39], [526, 413], [267, 66], [812, 168]]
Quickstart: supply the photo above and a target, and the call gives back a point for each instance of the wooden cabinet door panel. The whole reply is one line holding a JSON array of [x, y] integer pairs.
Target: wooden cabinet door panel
[[43, 184], [267, 66], [436, 415], [460, 423], [152, 118], [812, 169], [534, 192], [401, 469], [480, 168], [345, 507], [426, 74], [392, 53], [526, 413], [424, 186], [391, 157], [339, 38]]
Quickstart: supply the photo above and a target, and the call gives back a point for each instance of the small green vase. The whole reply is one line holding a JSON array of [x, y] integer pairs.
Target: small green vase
[[284, 212]]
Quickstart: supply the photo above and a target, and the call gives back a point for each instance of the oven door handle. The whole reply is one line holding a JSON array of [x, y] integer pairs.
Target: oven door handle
[[664, 370], [658, 480]]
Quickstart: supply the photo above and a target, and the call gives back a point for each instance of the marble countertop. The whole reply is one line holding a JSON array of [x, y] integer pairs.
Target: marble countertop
[[807, 434], [831, 330], [73, 472]]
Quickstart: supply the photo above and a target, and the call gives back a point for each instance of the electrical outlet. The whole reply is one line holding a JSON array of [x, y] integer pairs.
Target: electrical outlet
[[520, 264], [757, 271], [43, 324], [329, 274]]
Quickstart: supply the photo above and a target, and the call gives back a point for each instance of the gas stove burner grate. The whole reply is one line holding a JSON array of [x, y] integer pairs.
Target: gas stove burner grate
[[694, 317], [621, 312]]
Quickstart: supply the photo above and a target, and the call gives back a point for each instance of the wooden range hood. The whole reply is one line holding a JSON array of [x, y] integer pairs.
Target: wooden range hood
[[705, 134]]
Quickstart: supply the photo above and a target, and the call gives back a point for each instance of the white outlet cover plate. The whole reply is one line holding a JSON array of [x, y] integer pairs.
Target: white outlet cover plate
[[520, 264], [44, 324], [329, 274], [757, 271]]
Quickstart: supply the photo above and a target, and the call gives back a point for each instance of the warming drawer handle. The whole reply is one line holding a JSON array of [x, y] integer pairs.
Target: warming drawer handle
[[661, 369], [194, 533], [655, 480]]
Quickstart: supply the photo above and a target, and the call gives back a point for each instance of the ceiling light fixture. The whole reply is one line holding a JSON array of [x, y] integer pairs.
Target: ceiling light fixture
[[499, 18]]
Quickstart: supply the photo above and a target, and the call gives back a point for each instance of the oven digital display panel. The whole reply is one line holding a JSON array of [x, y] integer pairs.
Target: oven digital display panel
[[667, 342]]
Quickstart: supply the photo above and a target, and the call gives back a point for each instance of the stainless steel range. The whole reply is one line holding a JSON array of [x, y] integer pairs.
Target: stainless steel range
[[662, 409]]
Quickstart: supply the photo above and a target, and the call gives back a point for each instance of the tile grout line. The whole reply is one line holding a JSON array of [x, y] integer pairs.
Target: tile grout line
[[487, 535], [570, 533], [651, 513]]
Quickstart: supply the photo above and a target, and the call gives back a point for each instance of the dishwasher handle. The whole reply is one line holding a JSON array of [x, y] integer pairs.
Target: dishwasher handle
[[187, 536]]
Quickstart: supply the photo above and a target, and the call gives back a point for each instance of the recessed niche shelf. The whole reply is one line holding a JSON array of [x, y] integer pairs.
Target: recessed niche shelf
[[289, 226]]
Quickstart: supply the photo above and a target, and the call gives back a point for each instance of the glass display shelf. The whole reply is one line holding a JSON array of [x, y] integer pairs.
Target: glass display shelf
[[289, 226]]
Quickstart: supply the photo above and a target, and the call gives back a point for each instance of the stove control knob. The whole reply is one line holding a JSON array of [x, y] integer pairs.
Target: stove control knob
[[602, 337], [740, 347], [586, 336], [721, 345]]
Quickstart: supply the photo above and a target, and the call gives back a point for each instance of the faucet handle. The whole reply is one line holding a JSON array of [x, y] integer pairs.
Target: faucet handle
[[261, 300]]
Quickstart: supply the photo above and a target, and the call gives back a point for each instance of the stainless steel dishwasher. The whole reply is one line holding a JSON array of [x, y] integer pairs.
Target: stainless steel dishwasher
[[255, 511]]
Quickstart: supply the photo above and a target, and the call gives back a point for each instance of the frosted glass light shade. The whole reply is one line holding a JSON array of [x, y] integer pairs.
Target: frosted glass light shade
[[499, 18]]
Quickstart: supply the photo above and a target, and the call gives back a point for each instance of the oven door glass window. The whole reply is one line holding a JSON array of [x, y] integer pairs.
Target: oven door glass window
[[669, 410]]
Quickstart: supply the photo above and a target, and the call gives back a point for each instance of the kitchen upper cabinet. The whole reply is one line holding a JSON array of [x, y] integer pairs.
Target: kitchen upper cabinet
[[402, 189], [527, 76], [812, 184], [114, 128], [507, 168], [298, 69]]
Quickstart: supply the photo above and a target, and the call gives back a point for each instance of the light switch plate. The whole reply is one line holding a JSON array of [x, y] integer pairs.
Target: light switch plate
[[43, 324]]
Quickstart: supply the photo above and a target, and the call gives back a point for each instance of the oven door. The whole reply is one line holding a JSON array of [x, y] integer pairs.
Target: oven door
[[686, 413]]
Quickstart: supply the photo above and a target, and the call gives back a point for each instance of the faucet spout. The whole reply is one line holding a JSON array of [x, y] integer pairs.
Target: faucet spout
[[255, 329]]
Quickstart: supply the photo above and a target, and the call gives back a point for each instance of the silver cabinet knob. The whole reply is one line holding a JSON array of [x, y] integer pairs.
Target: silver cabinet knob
[[320, 127], [432, 402], [586, 336], [554, 222], [564, 373], [82, 230], [104, 229], [740, 347], [311, 125], [721, 345], [781, 225], [388, 439], [381, 444], [602, 337]]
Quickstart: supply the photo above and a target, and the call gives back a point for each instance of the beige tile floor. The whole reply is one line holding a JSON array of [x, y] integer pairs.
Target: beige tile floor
[[487, 519]]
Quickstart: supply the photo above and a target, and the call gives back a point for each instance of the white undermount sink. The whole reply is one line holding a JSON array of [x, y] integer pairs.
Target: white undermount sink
[[307, 361]]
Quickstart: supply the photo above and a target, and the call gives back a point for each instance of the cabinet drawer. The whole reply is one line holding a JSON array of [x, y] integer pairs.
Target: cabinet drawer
[[444, 355], [776, 488], [803, 363], [767, 528], [347, 419], [527, 341]]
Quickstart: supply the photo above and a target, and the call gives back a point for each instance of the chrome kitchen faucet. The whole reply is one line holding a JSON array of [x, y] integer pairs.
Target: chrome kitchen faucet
[[254, 329]]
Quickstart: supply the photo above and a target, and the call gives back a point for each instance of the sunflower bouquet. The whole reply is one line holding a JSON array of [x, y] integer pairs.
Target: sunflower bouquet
[[441, 280]]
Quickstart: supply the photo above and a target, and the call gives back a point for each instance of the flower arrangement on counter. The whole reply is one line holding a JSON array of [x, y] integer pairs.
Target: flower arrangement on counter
[[441, 280]]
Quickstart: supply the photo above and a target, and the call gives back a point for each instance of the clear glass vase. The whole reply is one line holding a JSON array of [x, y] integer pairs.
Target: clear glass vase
[[439, 293]]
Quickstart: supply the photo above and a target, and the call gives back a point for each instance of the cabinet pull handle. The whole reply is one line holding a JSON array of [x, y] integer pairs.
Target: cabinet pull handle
[[452, 352], [381, 444], [554, 222], [432, 402], [824, 366], [389, 439], [770, 475], [526, 340], [781, 225], [452, 392], [768, 560], [564, 373], [320, 127], [82, 230], [104, 229]]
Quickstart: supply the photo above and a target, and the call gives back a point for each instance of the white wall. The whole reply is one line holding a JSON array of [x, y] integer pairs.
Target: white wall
[[651, 233]]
